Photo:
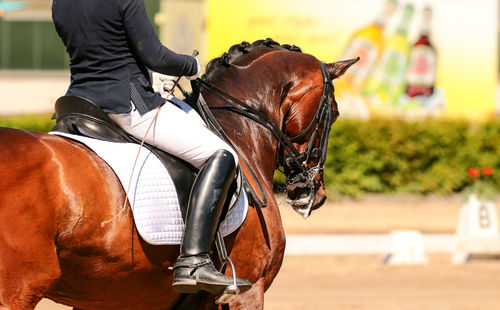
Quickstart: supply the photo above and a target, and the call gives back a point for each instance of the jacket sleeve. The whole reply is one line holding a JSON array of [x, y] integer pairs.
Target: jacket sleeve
[[148, 47]]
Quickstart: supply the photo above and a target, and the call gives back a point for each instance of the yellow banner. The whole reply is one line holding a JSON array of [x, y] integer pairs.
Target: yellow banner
[[457, 78]]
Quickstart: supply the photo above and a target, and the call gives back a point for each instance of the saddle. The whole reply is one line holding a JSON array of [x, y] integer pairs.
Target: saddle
[[79, 116]]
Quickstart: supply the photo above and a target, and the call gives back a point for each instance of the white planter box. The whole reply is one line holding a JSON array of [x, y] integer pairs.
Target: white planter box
[[477, 230]]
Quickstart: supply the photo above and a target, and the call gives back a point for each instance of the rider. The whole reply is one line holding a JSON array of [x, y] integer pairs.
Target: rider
[[112, 44]]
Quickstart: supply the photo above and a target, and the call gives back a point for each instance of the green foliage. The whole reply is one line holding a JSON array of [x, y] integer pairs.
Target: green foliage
[[41, 123], [482, 189], [387, 156]]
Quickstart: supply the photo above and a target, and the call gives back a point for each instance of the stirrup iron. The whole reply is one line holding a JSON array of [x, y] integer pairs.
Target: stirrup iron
[[231, 290]]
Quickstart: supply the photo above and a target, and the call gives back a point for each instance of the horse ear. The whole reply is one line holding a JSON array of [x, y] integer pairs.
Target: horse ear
[[338, 68]]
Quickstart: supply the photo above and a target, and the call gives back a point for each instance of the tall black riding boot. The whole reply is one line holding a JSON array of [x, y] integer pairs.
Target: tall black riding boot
[[194, 270]]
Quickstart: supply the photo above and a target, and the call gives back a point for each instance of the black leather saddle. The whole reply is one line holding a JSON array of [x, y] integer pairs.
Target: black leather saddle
[[79, 116]]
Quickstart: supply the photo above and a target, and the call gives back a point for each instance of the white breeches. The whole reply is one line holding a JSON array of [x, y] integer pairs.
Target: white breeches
[[177, 130]]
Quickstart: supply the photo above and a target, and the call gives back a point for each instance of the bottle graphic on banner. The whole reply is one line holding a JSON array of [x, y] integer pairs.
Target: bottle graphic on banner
[[387, 82], [366, 43], [422, 65]]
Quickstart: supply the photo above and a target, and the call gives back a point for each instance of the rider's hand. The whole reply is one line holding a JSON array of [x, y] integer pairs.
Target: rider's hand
[[163, 83], [198, 71]]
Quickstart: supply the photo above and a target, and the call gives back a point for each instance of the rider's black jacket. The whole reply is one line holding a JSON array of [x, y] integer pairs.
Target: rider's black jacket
[[111, 44]]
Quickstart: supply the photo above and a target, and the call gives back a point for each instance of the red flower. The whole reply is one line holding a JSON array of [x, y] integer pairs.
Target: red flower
[[488, 171], [473, 173]]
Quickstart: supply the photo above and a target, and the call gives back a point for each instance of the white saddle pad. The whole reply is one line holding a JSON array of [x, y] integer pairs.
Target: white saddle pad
[[151, 193]]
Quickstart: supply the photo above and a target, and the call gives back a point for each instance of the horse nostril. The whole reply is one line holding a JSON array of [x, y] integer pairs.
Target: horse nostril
[[297, 191], [319, 204]]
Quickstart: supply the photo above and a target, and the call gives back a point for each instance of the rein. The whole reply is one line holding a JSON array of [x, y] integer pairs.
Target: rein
[[296, 162]]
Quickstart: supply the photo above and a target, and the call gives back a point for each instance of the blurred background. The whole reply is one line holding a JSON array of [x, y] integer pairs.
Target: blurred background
[[413, 169]]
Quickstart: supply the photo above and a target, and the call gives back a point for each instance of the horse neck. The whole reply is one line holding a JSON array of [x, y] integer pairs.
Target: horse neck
[[261, 85]]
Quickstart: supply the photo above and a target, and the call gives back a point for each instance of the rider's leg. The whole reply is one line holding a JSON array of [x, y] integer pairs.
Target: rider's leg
[[194, 269], [182, 132]]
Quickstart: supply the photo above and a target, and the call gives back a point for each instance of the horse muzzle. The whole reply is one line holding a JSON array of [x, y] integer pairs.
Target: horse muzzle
[[305, 197]]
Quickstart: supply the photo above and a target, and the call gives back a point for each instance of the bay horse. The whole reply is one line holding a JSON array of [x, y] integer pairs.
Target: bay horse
[[63, 232]]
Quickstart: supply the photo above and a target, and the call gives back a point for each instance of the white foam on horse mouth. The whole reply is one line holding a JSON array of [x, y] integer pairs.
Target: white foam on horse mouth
[[301, 206]]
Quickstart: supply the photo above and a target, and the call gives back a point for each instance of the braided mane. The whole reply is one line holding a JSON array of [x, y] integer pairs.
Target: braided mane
[[232, 56]]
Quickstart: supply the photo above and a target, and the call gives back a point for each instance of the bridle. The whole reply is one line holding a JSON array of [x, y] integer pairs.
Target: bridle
[[294, 161]]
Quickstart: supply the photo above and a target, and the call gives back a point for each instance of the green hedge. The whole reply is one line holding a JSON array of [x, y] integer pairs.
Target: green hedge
[[42, 123], [388, 156]]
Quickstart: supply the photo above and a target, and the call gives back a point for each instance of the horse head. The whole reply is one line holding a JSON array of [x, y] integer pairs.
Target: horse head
[[289, 95], [311, 110]]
